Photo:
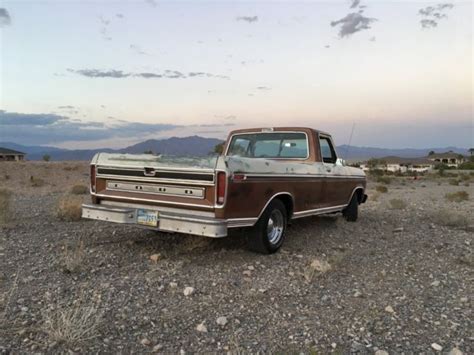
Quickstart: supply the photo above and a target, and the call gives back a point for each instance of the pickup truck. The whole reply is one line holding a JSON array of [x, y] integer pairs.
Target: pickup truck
[[264, 178]]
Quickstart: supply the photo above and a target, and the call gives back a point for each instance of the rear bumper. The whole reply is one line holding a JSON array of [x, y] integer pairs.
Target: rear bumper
[[167, 221]]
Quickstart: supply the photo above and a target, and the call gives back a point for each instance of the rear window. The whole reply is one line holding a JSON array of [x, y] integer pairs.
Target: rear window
[[274, 145]]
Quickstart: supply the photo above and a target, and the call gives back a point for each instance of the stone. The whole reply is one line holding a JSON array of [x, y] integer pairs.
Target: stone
[[222, 321], [321, 266], [250, 267], [435, 283], [173, 285], [455, 351], [145, 342], [247, 273], [357, 294], [398, 230], [157, 348], [155, 257], [381, 352], [201, 328], [188, 291], [436, 347], [389, 309]]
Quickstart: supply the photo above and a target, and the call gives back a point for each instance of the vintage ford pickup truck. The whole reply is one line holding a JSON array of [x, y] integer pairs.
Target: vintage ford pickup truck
[[264, 178]]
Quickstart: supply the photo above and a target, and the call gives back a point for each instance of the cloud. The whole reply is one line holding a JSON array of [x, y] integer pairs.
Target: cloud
[[355, 3], [248, 19], [152, 2], [352, 23], [137, 49], [119, 74], [5, 19], [96, 73], [263, 88], [45, 128], [66, 107], [432, 14], [119, 15]]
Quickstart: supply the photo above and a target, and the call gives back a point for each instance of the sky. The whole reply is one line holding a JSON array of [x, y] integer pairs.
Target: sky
[[91, 74]]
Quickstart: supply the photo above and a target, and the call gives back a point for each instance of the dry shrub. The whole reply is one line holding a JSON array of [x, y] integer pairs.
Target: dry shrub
[[464, 177], [384, 180], [72, 324], [317, 267], [69, 208], [451, 219], [5, 197], [398, 204], [79, 190], [70, 167], [36, 182], [7, 177], [457, 196], [453, 182], [73, 257], [375, 196], [381, 188]]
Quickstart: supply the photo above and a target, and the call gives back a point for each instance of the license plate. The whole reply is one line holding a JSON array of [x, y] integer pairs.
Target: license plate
[[147, 217]]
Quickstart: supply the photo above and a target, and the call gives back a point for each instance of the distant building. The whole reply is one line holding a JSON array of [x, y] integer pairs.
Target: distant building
[[11, 155], [401, 165], [449, 158]]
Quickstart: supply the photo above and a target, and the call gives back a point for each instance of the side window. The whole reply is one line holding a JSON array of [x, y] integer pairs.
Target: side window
[[239, 147], [327, 150]]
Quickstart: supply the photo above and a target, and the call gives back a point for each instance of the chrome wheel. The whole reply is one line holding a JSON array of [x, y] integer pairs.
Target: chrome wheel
[[275, 226]]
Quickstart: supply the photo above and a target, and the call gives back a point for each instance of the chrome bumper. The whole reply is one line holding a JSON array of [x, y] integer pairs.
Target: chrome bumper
[[167, 221]]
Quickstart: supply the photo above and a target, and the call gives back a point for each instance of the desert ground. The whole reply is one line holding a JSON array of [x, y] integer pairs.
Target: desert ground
[[399, 280]]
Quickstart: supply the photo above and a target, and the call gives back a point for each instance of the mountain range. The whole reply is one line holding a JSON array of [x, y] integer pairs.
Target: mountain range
[[201, 146]]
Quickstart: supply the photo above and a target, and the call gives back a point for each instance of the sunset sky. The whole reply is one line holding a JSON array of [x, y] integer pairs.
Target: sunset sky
[[88, 74]]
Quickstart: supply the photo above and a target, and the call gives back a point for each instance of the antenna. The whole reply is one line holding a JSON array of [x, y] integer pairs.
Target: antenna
[[350, 140]]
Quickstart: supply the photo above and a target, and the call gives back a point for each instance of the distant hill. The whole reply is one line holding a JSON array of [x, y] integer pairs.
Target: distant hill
[[200, 146]]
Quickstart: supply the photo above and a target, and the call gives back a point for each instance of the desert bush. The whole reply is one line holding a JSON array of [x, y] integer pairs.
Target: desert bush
[[7, 177], [398, 204], [464, 177], [36, 182], [458, 196], [69, 208], [73, 257], [46, 157], [453, 182], [384, 180], [72, 324], [450, 219], [79, 190], [381, 188], [5, 197]]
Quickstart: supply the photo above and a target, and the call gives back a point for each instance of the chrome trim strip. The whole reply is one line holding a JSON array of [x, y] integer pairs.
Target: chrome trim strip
[[317, 211], [353, 192], [271, 199], [203, 171], [155, 201], [271, 132], [241, 222], [137, 178], [306, 175], [160, 190]]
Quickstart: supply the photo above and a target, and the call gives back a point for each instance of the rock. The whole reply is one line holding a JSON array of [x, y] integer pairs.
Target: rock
[[247, 273], [188, 291], [155, 257], [435, 283], [436, 347], [222, 321], [357, 294], [463, 300], [250, 267], [157, 348], [321, 266], [173, 285], [398, 230], [145, 342], [389, 309], [201, 328], [381, 352], [455, 351], [333, 345]]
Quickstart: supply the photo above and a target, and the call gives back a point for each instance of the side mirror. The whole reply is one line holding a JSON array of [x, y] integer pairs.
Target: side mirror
[[340, 162]]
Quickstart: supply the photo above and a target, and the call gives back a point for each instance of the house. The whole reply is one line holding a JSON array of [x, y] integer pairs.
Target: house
[[450, 158], [399, 165], [11, 155]]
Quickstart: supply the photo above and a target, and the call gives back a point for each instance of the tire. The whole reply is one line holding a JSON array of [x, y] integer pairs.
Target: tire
[[351, 212], [268, 234]]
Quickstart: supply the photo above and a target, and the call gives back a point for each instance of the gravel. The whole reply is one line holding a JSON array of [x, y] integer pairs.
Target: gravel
[[396, 281]]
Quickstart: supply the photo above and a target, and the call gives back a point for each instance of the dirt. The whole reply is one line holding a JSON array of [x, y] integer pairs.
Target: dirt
[[397, 280]]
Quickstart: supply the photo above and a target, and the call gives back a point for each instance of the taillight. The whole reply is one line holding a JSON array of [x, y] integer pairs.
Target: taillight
[[92, 175], [221, 182]]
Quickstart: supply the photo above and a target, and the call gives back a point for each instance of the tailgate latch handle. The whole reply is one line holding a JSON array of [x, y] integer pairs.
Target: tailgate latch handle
[[149, 172]]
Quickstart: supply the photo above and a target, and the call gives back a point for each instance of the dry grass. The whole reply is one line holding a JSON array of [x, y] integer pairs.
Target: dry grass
[[317, 267], [451, 219], [453, 182], [458, 196], [384, 180], [79, 190], [36, 182], [72, 324], [398, 204], [69, 208], [73, 257], [381, 189], [5, 197]]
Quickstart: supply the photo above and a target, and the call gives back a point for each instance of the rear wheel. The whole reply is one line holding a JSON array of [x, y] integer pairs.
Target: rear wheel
[[268, 235], [351, 212]]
